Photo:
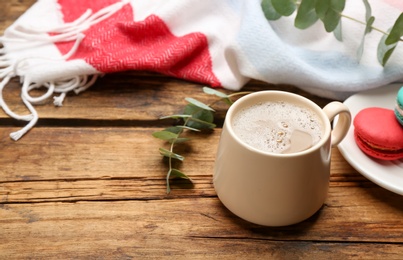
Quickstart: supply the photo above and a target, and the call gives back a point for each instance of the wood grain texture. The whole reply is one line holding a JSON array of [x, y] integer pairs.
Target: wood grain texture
[[192, 228], [88, 182], [131, 96]]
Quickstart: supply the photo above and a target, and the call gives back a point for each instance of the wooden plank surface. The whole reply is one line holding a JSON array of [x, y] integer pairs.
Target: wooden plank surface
[[88, 182], [355, 211], [192, 228], [131, 96]]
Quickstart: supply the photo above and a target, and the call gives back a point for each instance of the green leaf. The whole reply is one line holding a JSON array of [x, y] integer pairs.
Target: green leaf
[[385, 50], [165, 135], [175, 173], [269, 12], [329, 11], [200, 118], [211, 91], [321, 8], [174, 129], [188, 128], [170, 136], [228, 101], [368, 11], [169, 154], [176, 117], [224, 97], [367, 30], [396, 32], [306, 14], [331, 21], [368, 27], [199, 113], [198, 104], [324, 6], [284, 7], [338, 32], [194, 122]]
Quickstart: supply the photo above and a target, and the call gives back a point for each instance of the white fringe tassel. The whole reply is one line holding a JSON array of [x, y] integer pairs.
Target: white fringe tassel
[[31, 37]]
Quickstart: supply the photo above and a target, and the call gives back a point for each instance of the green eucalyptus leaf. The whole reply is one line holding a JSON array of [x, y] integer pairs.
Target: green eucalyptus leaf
[[329, 11], [188, 128], [284, 7], [228, 101], [368, 11], [200, 124], [175, 173], [331, 21], [200, 118], [396, 32], [174, 129], [269, 12], [198, 112], [306, 14], [203, 115], [176, 117], [321, 8], [324, 6], [338, 32], [224, 97], [370, 22], [211, 91], [385, 50], [191, 110], [165, 135], [198, 104], [367, 30], [169, 154]]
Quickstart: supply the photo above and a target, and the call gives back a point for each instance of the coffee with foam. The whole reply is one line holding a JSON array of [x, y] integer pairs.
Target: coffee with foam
[[278, 127]]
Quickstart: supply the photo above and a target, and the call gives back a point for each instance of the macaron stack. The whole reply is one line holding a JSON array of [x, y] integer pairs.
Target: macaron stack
[[378, 133], [399, 106]]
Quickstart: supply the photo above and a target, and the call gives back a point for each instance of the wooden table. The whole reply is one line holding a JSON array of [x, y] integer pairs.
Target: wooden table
[[88, 182]]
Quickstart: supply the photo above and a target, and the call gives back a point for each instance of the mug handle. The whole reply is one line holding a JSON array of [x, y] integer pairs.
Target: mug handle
[[342, 126]]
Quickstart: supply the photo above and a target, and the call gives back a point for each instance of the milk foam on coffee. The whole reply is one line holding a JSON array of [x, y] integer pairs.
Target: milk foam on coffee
[[277, 127]]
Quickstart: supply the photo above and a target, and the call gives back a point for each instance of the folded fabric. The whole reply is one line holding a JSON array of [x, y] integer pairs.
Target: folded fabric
[[64, 45]]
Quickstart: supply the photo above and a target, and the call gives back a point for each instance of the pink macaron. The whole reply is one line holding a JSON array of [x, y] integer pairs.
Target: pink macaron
[[378, 133]]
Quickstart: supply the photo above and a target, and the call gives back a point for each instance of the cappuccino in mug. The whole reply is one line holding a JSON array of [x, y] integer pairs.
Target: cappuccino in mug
[[278, 127], [273, 160]]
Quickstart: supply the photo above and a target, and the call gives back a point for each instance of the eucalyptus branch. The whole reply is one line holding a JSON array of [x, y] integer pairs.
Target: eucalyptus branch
[[196, 117], [227, 99], [364, 23], [330, 12]]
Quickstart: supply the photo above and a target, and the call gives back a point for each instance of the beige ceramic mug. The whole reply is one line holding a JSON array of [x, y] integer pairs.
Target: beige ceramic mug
[[275, 189]]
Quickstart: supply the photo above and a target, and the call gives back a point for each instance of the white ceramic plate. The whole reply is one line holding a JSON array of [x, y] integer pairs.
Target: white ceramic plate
[[387, 174]]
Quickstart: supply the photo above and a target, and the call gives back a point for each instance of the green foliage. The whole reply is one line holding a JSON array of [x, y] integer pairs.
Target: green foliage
[[396, 32], [197, 116], [368, 29], [330, 13], [368, 10], [284, 7], [385, 50], [269, 12], [306, 15], [201, 118]]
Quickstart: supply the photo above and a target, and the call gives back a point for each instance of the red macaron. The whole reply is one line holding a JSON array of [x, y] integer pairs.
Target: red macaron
[[378, 133]]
